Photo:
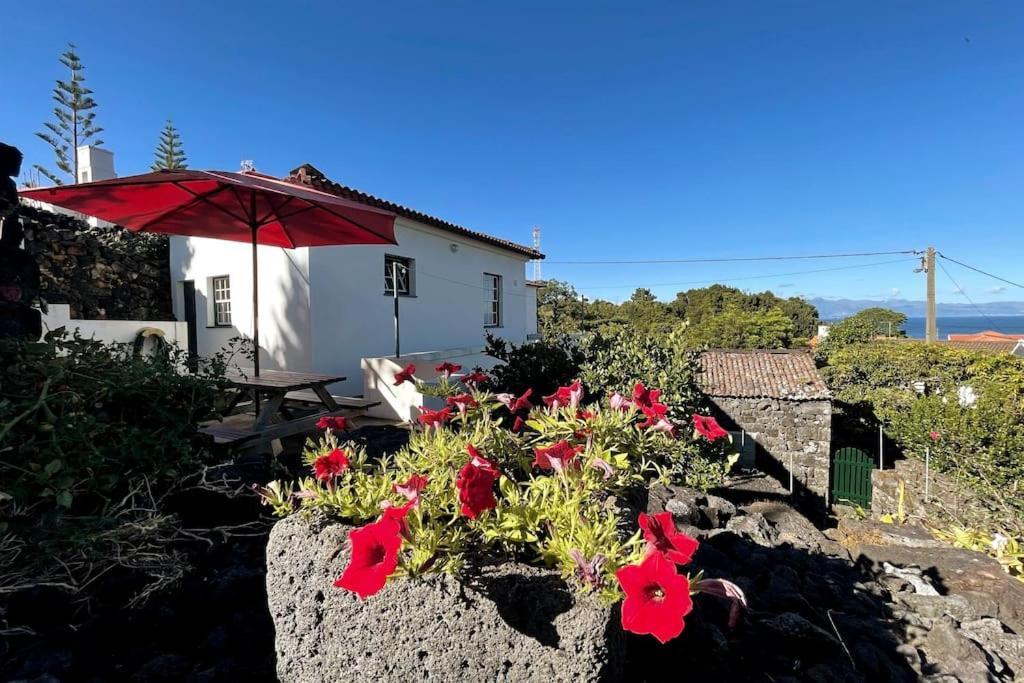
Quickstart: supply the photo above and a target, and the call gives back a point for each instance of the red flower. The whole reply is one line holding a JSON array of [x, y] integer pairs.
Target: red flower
[[555, 457], [374, 557], [654, 413], [584, 415], [398, 514], [644, 397], [462, 402], [565, 397], [434, 418], [475, 484], [514, 404], [447, 368], [475, 378], [412, 488], [663, 537], [405, 375], [934, 436], [708, 427], [518, 425], [329, 422], [327, 467], [657, 598]]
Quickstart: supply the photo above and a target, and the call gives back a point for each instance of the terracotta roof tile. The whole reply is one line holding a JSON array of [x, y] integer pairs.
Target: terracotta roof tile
[[789, 375], [313, 177], [984, 346]]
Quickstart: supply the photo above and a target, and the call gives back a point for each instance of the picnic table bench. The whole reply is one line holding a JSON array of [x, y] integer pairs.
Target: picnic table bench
[[270, 394]]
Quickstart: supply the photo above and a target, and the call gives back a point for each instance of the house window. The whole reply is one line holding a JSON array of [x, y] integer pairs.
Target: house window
[[221, 287], [492, 300], [401, 268]]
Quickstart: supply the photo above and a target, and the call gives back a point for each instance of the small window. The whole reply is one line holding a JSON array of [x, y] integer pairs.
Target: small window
[[401, 268], [492, 300], [222, 301]]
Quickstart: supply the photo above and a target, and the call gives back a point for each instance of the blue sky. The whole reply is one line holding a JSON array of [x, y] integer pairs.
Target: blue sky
[[625, 130]]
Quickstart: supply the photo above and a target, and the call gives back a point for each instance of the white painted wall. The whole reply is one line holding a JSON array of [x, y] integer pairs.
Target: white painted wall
[[59, 315], [284, 297], [531, 310], [324, 309]]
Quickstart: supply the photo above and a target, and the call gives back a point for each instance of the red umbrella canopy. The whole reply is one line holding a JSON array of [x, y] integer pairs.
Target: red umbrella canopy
[[227, 206]]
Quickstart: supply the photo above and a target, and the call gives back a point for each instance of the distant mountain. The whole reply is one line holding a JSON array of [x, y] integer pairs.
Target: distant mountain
[[834, 309]]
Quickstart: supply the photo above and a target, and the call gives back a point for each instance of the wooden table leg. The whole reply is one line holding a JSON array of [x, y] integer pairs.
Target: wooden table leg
[[325, 397], [269, 410]]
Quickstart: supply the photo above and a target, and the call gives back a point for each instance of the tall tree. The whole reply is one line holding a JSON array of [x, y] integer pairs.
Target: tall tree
[[74, 121], [169, 153]]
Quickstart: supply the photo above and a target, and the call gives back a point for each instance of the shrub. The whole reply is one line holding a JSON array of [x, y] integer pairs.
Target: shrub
[[465, 486], [542, 365], [90, 435]]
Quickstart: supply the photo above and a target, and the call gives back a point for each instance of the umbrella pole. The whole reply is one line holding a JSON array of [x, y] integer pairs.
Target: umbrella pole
[[255, 303]]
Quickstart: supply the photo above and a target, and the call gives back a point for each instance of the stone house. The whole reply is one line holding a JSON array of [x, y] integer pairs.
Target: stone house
[[781, 402]]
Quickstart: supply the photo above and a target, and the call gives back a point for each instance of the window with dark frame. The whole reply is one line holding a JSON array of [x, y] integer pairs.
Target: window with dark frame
[[222, 301], [402, 268], [492, 300]]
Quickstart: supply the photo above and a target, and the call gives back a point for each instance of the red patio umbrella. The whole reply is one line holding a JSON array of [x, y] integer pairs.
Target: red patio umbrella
[[241, 207]]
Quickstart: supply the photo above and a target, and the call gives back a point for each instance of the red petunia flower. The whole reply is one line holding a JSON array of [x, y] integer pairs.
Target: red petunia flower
[[555, 457], [644, 397], [934, 436], [475, 378], [447, 368], [708, 427], [514, 404], [518, 425], [661, 533], [657, 598], [584, 415], [329, 422], [412, 488], [374, 557], [405, 375], [462, 402], [475, 484], [654, 413], [565, 397], [398, 514], [327, 467], [434, 418]]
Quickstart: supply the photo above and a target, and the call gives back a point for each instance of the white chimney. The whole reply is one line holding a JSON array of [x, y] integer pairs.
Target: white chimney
[[95, 163]]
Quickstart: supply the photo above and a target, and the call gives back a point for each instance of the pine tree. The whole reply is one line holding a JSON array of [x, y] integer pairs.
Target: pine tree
[[74, 123], [169, 153]]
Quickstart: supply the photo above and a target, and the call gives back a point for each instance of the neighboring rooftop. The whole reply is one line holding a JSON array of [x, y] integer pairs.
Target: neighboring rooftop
[[780, 374], [313, 177], [1008, 346], [986, 336]]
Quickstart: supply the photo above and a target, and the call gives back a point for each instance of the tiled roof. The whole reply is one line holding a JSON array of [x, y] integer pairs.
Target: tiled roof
[[986, 336], [789, 375], [313, 177], [984, 346]]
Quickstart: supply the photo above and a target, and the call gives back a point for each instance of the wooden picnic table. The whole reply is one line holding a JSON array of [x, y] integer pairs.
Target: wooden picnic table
[[270, 389]]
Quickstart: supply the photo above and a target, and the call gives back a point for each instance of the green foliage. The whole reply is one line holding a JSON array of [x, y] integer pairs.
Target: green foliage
[[973, 401], [74, 121], [618, 360], [544, 517], [863, 327], [169, 153], [560, 309], [85, 430], [737, 328], [698, 305], [542, 366]]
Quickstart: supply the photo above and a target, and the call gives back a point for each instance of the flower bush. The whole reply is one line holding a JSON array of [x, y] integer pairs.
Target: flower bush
[[543, 491]]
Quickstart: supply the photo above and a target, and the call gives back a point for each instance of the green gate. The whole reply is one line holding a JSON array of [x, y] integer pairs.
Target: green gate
[[851, 476]]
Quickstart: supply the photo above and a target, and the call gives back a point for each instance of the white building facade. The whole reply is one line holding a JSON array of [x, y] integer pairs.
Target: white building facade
[[323, 309]]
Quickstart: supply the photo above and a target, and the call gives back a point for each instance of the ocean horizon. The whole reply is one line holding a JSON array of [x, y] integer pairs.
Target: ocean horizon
[[967, 324]]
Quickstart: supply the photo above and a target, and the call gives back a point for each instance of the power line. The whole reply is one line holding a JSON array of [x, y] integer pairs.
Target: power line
[[751, 277], [969, 300], [979, 270], [733, 259]]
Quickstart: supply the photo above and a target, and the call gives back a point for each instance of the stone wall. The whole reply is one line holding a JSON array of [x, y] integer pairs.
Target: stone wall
[[105, 273], [793, 436], [948, 499]]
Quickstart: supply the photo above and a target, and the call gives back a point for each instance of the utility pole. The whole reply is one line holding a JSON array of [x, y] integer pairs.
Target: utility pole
[[931, 334]]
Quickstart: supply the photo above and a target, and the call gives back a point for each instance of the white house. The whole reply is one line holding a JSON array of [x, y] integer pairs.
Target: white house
[[323, 309]]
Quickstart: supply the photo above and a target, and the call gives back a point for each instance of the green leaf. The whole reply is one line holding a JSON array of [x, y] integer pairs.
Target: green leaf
[[64, 499]]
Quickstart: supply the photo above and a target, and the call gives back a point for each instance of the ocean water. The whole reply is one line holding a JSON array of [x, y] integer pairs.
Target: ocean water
[[965, 324]]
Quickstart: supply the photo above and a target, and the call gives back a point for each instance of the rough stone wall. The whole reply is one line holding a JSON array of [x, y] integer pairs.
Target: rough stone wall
[[102, 273], [796, 435], [948, 499]]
